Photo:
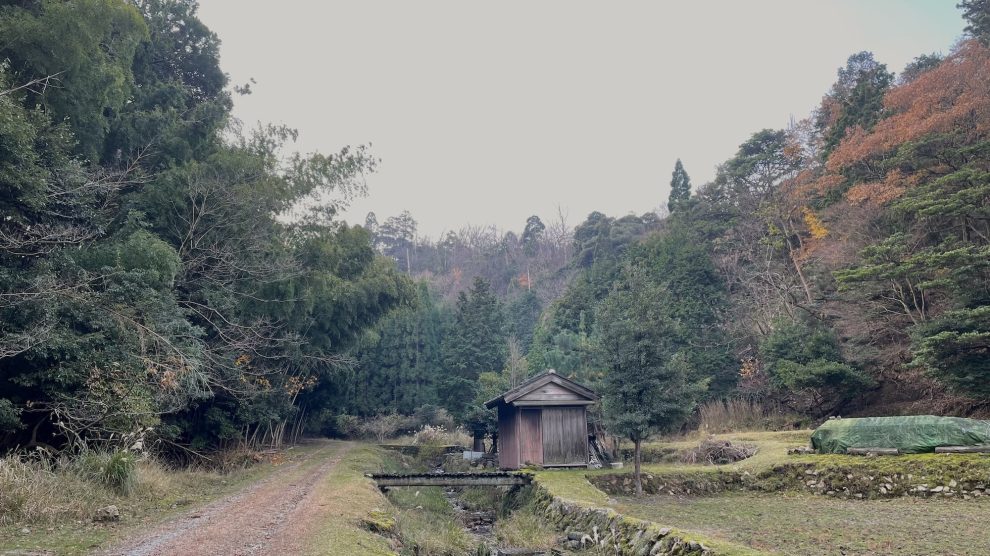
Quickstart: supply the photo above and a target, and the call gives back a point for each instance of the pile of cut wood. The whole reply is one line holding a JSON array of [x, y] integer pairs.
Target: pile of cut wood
[[718, 452]]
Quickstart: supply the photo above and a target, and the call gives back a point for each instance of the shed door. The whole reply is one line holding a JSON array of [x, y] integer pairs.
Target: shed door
[[530, 437], [565, 436]]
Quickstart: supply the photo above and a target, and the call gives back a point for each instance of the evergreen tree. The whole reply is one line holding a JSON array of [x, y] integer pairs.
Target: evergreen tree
[[399, 361], [171, 294], [476, 344], [89, 46], [532, 234], [803, 359], [649, 386], [682, 264], [523, 312], [977, 15], [856, 99], [680, 187]]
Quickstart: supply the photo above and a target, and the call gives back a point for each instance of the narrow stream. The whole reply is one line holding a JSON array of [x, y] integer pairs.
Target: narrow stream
[[476, 513], [480, 524]]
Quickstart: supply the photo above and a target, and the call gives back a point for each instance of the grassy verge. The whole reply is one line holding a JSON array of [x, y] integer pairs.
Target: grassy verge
[[46, 506], [772, 448], [355, 506], [573, 486], [521, 524]]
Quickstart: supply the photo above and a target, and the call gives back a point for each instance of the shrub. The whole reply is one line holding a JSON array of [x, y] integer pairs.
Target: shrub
[[385, 425], [9, 416], [115, 470], [803, 361], [431, 436], [439, 436], [431, 415], [346, 426]]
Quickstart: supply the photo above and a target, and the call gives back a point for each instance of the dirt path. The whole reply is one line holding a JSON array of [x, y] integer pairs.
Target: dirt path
[[272, 516]]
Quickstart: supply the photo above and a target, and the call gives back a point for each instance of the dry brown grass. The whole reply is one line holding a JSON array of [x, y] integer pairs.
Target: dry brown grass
[[44, 491], [47, 490], [743, 415]]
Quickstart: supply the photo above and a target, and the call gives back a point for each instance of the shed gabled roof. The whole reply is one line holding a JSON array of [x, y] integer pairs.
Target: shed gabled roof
[[538, 381]]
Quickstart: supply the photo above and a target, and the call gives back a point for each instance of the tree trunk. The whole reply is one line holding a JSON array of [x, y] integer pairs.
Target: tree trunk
[[637, 464]]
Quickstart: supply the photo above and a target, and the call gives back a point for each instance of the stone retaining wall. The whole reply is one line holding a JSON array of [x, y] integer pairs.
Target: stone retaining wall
[[612, 532], [870, 480]]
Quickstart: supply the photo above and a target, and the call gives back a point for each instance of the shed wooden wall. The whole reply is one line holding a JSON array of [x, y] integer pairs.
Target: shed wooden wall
[[530, 436], [565, 436], [508, 440], [546, 426]]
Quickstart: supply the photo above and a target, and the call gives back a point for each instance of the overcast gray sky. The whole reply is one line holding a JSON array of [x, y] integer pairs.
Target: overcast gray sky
[[488, 112]]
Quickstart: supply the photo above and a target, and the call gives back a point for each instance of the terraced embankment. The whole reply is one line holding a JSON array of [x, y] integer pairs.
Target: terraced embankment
[[805, 504]]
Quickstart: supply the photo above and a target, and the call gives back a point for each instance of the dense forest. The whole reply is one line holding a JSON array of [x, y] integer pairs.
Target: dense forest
[[170, 275], [839, 266], [165, 275]]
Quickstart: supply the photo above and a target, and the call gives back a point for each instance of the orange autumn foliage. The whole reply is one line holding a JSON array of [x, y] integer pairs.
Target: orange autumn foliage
[[954, 96], [894, 184], [875, 192]]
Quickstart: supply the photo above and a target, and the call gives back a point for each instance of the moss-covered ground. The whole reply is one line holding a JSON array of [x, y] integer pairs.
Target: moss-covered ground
[[796, 522]]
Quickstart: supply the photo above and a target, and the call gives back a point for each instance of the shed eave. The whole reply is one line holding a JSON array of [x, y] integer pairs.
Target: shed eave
[[547, 378], [548, 403], [537, 381]]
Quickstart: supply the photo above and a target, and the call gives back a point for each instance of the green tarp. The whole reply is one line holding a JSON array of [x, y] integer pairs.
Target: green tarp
[[910, 435]]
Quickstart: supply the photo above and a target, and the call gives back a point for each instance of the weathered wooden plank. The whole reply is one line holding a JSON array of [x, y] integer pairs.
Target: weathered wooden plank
[[877, 451], [552, 426], [576, 435], [550, 392], [565, 436], [520, 552], [508, 440], [962, 450], [453, 479], [530, 437], [545, 403]]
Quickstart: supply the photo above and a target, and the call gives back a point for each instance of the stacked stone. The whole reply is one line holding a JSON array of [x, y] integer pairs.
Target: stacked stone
[[590, 527]]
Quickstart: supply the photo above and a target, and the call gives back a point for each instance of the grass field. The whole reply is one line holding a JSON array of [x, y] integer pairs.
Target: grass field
[[808, 524], [794, 522]]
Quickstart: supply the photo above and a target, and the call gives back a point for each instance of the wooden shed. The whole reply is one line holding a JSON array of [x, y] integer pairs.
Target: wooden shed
[[543, 421]]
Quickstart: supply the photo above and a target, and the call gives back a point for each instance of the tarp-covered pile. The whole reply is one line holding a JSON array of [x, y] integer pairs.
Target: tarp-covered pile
[[910, 435]]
